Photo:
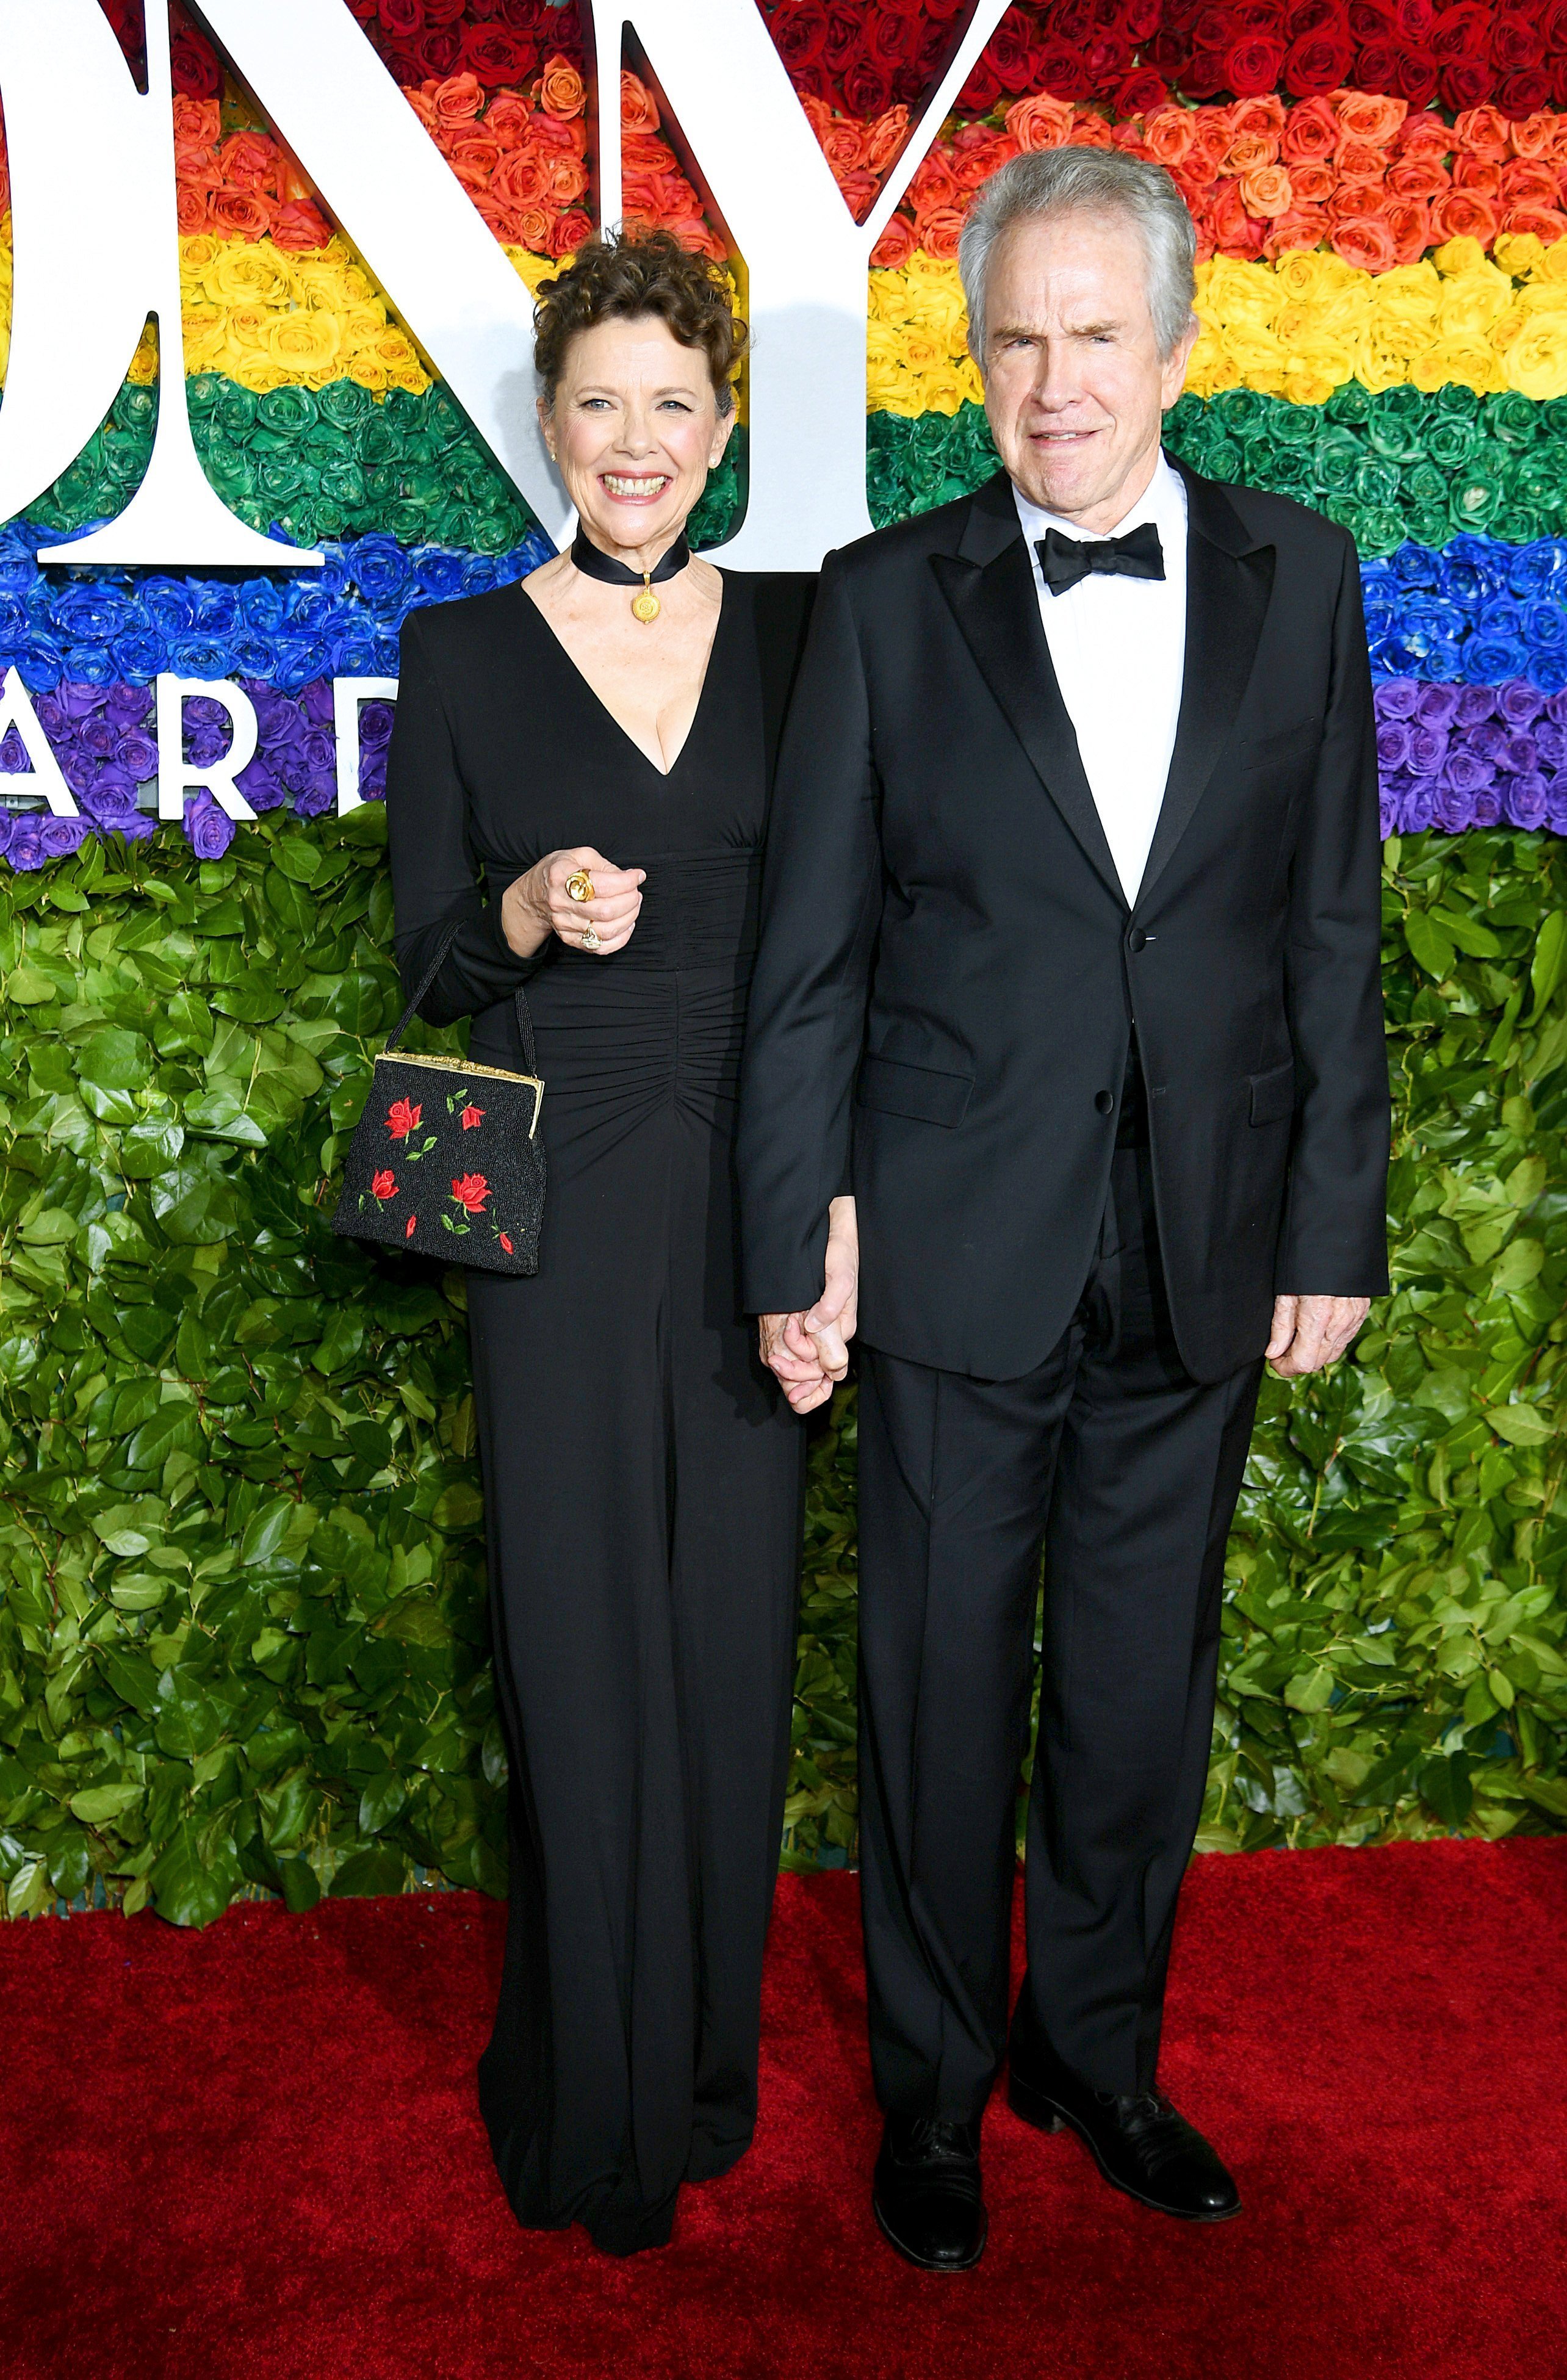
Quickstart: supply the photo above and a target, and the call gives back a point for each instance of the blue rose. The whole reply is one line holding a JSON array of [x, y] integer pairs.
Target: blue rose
[[1413, 566], [169, 603], [263, 603], [1487, 658], [295, 660], [196, 656], [440, 574], [39, 662], [309, 610], [90, 614], [217, 609], [354, 656], [1536, 569], [1549, 670], [380, 570], [90, 665], [141, 656], [333, 574]]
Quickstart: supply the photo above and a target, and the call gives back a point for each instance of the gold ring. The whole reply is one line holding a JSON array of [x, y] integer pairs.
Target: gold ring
[[580, 886], [589, 938]]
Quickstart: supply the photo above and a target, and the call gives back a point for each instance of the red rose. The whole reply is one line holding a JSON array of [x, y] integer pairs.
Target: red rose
[[444, 12], [506, 1245], [470, 1193], [1206, 74], [1061, 71], [441, 51], [1141, 93], [402, 18], [800, 34], [1255, 64], [1318, 62], [193, 65], [867, 89], [383, 1186], [1414, 76], [1522, 91], [409, 1233], [896, 245], [401, 1119], [473, 1117], [845, 38], [1463, 82], [982, 89], [495, 56]]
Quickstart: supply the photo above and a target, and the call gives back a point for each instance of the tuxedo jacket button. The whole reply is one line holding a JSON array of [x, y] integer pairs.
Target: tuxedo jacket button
[[1104, 1102], [1137, 939]]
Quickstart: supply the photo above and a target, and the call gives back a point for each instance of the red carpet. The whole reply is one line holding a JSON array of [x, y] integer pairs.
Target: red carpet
[[253, 2155]]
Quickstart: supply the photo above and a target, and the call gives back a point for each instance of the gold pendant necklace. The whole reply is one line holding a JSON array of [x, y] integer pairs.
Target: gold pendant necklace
[[646, 606]]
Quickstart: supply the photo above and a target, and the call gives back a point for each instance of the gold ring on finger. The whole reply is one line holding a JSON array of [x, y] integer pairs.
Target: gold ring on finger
[[580, 886], [589, 938]]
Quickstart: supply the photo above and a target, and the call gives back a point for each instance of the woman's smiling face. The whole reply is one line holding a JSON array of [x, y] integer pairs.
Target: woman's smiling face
[[633, 430]]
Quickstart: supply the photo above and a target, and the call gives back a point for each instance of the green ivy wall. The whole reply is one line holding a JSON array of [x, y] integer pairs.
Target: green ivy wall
[[242, 1629]]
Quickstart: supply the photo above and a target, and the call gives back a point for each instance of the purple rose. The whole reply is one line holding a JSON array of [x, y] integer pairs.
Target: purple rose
[[1556, 811], [315, 798], [372, 776], [1427, 749], [128, 706], [1437, 706], [202, 710], [77, 768], [208, 829], [1392, 745], [7, 821], [260, 787], [61, 836], [207, 741], [25, 850], [138, 756], [1519, 702], [111, 796], [1465, 772], [78, 701], [1526, 800], [1389, 815], [1452, 811], [96, 735], [51, 716], [1416, 809], [1475, 703], [1488, 805], [1556, 709], [1489, 741], [13, 753], [137, 826], [1520, 755], [1550, 742], [1396, 698], [376, 722], [316, 700]]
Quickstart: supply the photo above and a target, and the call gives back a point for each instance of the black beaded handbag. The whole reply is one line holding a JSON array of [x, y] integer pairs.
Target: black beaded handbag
[[446, 1159]]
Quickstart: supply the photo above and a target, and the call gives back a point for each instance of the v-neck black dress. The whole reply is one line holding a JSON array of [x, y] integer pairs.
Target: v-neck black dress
[[642, 1475]]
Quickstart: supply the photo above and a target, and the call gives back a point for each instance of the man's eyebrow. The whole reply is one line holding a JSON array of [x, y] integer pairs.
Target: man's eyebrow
[[1036, 330]]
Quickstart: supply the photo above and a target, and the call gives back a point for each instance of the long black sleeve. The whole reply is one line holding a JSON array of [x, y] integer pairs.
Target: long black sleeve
[[436, 880], [821, 895], [1334, 1238]]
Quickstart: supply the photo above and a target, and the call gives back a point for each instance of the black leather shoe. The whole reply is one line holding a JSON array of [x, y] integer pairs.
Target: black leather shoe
[[1139, 2144], [927, 2196]]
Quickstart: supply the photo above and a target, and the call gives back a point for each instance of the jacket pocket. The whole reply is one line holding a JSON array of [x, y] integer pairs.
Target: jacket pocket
[[1273, 1094], [921, 1092]]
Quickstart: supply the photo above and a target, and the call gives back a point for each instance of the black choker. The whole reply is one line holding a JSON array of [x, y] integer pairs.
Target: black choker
[[645, 604]]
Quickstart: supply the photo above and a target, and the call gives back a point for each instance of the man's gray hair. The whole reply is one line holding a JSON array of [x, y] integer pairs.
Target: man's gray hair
[[1088, 182]]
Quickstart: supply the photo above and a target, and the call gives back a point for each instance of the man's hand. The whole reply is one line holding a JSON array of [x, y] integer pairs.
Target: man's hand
[[809, 1353], [1310, 1334]]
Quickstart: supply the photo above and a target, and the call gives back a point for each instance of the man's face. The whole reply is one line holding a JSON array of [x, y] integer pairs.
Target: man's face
[[1074, 385]]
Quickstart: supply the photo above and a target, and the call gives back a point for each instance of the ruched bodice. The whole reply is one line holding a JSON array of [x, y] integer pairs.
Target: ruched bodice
[[641, 1475]]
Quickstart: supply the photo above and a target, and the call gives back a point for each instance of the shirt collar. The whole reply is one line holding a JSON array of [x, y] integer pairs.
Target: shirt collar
[[1163, 502]]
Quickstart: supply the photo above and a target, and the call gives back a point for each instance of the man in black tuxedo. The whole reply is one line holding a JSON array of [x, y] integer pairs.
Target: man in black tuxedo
[[1065, 1059]]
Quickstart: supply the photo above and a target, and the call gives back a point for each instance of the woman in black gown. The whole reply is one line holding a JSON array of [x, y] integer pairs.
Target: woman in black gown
[[642, 1475]]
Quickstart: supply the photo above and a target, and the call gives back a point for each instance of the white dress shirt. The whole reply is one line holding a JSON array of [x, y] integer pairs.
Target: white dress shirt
[[1119, 647]]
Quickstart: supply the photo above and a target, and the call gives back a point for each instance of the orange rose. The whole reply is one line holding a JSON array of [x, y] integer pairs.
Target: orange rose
[[1409, 220], [1361, 161], [571, 134], [843, 145], [1482, 132], [1234, 231], [885, 139], [506, 119], [568, 179], [939, 233], [857, 191], [1301, 227], [1423, 131], [198, 124], [300, 225], [1481, 174], [567, 235], [1526, 183], [1313, 183], [457, 101], [973, 163], [1209, 144], [934, 184], [1257, 116], [1168, 134], [1266, 191], [1091, 131], [1463, 215], [474, 159], [1366, 241], [249, 161], [520, 180], [816, 113], [1311, 130], [534, 227], [561, 90], [1366, 116], [191, 211], [245, 211], [1538, 136], [423, 105], [1040, 122], [1547, 223], [1423, 176], [896, 245], [1249, 151], [638, 109]]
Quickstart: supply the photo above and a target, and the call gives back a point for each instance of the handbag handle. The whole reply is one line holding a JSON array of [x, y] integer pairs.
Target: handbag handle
[[525, 1022]]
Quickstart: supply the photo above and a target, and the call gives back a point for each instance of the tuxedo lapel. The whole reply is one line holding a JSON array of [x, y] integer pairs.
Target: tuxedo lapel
[[1228, 581], [989, 583]]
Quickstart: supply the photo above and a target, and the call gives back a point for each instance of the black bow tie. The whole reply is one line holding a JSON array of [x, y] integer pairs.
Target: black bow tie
[[1064, 560]]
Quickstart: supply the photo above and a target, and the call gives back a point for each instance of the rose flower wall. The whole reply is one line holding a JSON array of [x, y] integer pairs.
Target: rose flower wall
[[242, 1629]]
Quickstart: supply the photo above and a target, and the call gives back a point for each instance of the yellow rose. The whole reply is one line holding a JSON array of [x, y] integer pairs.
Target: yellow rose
[[1519, 252], [1209, 367], [1384, 351], [889, 388], [1313, 368], [1457, 257], [946, 387], [304, 339], [368, 372], [261, 377], [533, 268], [144, 362], [205, 329], [887, 297], [1552, 265], [1472, 302], [1469, 362], [243, 274], [247, 330], [1310, 274], [1535, 362]]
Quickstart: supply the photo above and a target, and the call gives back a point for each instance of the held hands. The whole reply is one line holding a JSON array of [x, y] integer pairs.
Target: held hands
[[538, 904], [1310, 1334], [809, 1351]]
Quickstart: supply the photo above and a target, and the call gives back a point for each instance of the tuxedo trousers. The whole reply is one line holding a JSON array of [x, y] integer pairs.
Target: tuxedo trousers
[[1126, 1470]]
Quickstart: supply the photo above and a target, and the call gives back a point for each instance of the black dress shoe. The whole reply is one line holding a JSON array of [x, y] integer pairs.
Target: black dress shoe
[[1139, 2144], [927, 2196]]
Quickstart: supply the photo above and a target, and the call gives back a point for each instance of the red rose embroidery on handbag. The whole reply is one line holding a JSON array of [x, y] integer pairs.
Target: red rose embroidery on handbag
[[506, 1245], [385, 1186], [401, 1119], [470, 1193], [473, 1117], [409, 1233]]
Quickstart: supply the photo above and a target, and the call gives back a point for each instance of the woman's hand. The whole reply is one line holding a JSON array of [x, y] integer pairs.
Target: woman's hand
[[538, 904]]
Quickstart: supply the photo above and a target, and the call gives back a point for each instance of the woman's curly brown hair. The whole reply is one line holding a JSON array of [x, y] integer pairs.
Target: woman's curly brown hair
[[625, 275]]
